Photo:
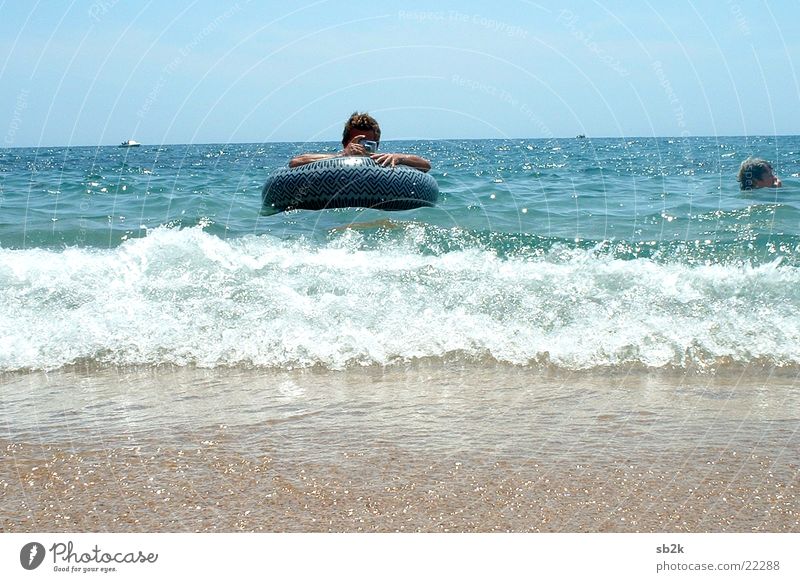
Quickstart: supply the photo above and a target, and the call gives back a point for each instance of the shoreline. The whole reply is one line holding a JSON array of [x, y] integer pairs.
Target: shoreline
[[431, 447]]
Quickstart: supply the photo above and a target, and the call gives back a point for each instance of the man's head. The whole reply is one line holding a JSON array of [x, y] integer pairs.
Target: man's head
[[757, 173], [361, 124]]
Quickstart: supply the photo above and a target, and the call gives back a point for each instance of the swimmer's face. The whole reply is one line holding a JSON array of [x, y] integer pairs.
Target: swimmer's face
[[768, 180]]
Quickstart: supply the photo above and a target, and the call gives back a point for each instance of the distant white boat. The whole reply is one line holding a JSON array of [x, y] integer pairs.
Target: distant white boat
[[130, 144]]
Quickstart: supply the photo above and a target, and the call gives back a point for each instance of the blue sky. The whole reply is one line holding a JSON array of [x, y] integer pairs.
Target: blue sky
[[98, 72]]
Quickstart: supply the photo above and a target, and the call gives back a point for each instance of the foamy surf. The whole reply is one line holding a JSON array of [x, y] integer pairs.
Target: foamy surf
[[186, 297]]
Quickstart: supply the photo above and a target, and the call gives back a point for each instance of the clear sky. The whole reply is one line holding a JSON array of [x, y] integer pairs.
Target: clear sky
[[97, 72]]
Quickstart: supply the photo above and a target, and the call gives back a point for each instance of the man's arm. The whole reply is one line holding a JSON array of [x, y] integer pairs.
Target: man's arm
[[354, 148], [304, 159], [402, 159]]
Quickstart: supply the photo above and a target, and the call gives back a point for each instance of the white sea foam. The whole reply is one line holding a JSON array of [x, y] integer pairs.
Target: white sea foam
[[190, 298]]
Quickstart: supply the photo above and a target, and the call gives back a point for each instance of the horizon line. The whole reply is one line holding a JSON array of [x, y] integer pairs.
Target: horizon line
[[575, 137]]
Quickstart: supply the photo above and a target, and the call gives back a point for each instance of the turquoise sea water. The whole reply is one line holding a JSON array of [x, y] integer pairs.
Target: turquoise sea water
[[577, 254]]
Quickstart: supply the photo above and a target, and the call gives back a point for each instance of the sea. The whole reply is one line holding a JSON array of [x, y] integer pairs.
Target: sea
[[584, 334]]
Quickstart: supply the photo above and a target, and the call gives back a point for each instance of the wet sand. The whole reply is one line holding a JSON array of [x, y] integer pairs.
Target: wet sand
[[427, 447]]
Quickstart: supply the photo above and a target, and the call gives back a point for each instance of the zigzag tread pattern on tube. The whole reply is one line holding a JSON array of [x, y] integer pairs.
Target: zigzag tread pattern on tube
[[349, 182]]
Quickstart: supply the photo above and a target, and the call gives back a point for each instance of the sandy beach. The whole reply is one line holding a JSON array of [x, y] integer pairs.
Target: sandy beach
[[429, 447]]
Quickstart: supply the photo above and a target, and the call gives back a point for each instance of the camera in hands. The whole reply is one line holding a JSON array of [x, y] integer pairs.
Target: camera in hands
[[370, 146]]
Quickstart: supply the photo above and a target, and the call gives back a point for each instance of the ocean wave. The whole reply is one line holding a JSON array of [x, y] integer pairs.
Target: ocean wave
[[187, 297]]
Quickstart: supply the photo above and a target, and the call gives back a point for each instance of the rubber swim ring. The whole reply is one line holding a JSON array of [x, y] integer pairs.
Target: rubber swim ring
[[345, 182]]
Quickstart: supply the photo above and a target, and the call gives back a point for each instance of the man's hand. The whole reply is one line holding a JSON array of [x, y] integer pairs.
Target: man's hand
[[392, 160], [354, 148]]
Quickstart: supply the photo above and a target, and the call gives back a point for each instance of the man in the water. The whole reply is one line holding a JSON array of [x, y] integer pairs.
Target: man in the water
[[362, 127], [757, 173]]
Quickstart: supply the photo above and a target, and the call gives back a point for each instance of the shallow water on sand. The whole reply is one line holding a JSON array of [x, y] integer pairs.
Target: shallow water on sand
[[425, 447]]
